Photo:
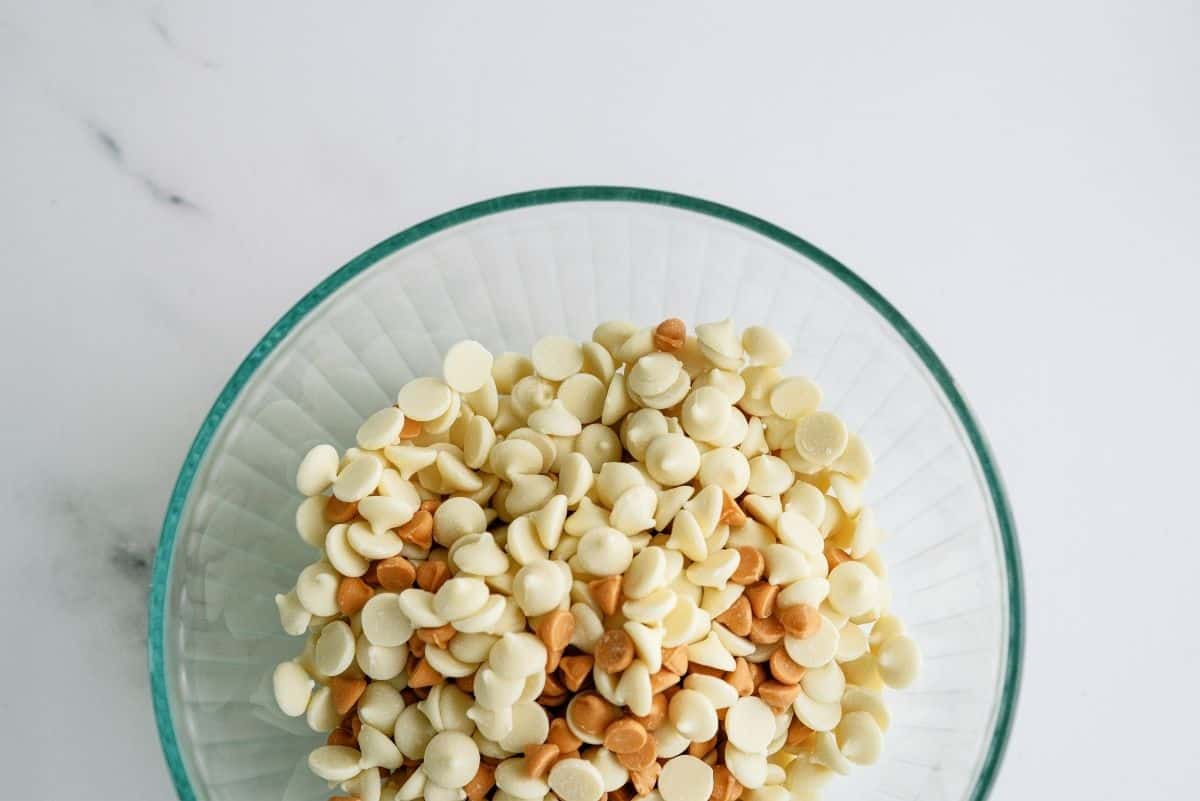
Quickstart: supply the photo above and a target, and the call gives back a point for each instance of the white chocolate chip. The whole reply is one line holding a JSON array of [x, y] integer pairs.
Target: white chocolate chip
[[383, 621], [424, 399], [334, 763], [359, 478], [726, 468], [576, 780], [478, 441], [815, 650], [685, 778], [899, 661], [335, 648], [604, 552], [512, 776], [764, 346], [750, 769], [821, 437], [557, 358], [460, 597], [318, 469], [859, 738], [853, 588], [293, 687], [467, 366]]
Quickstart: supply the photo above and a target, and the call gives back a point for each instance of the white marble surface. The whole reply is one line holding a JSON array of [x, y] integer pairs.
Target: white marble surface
[[1020, 179]]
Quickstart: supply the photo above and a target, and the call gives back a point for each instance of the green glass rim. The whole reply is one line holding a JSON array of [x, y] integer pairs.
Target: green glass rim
[[1011, 679]]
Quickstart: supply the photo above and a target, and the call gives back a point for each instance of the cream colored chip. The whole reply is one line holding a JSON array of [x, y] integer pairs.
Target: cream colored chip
[[705, 413], [311, 524], [599, 445], [516, 655], [712, 652], [785, 564], [460, 597], [720, 344], [673, 459], [335, 648], [671, 396], [339, 553], [633, 511], [668, 742], [485, 401], [653, 374], [755, 441], [670, 501], [575, 478], [509, 368], [765, 347], [612, 772], [583, 396], [532, 393], [479, 555], [556, 358], [384, 622], [467, 366], [604, 552], [726, 468], [549, 520], [334, 763], [293, 688], [647, 573], [807, 500], [614, 479], [769, 475], [817, 715], [860, 738], [555, 420], [750, 769], [380, 662], [750, 725], [794, 398], [824, 684], [687, 623], [715, 570], [318, 469], [693, 715], [598, 362], [359, 478], [612, 334], [530, 726], [321, 715], [653, 608], [687, 537], [478, 441], [512, 776], [899, 661], [719, 692], [617, 402], [316, 589], [685, 778], [293, 617], [731, 384], [539, 587], [640, 343], [425, 399], [380, 706], [640, 428], [815, 650], [821, 437], [853, 588], [575, 779]]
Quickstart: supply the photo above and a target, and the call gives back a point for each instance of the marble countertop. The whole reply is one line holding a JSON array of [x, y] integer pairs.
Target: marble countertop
[[1021, 181]]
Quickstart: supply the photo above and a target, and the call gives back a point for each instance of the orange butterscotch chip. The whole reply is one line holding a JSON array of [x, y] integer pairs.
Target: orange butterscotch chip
[[395, 574], [750, 566], [466, 683], [343, 798], [411, 429], [645, 779], [835, 556], [372, 574], [758, 673], [797, 732], [670, 335], [762, 598], [416, 646], [607, 593], [553, 699], [614, 651], [777, 695], [352, 595], [553, 685], [423, 675], [784, 668], [740, 677], [675, 659], [731, 514], [662, 680], [766, 631], [418, 530], [481, 783], [592, 714], [658, 713], [641, 758], [439, 636], [625, 736], [339, 511], [432, 575], [737, 617], [575, 670], [539, 757], [703, 748], [800, 620], [555, 629], [345, 692], [725, 787], [561, 736], [430, 505], [622, 793], [342, 737], [705, 670], [552, 659]]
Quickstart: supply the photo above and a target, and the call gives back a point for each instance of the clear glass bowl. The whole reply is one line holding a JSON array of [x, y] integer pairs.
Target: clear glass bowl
[[505, 272]]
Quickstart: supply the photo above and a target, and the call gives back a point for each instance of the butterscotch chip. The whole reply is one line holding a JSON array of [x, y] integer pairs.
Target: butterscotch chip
[[395, 574], [731, 514], [418, 530], [641, 758], [778, 695], [430, 505], [372, 574], [422, 693], [339, 511], [345, 692], [553, 685], [670, 335], [676, 659], [539, 757], [835, 556], [762, 598], [645, 779], [552, 659], [800, 620], [410, 696], [784, 668], [622, 793], [625, 736], [705, 670], [439, 636], [737, 617], [432, 575], [342, 737], [561, 736], [352, 595], [466, 683], [663, 679], [657, 714], [614, 651], [702, 748], [481, 783], [553, 699], [555, 629], [766, 631], [416, 646], [575, 670], [607, 593], [423, 676], [725, 787], [355, 726], [411, 429], [592, 714], [740, 677], [751, 565], [343, 798], [711, 758], [758, 673], [797, 732]]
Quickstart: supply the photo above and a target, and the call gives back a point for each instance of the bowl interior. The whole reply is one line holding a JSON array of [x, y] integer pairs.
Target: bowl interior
[[506, 272]]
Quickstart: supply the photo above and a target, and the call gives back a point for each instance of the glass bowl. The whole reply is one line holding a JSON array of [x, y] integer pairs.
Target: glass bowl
[[506, 272]]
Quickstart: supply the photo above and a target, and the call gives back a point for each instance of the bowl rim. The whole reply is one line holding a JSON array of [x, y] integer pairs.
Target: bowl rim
[[1010, 684]]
